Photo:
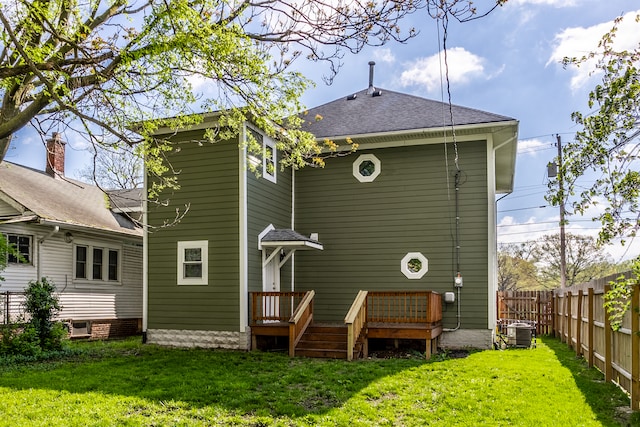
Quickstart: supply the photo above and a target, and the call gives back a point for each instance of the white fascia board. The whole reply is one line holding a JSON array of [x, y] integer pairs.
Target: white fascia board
[[483, 129], [300, 245]]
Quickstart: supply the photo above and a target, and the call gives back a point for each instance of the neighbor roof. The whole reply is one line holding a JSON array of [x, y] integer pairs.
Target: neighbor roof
[[60, 201]]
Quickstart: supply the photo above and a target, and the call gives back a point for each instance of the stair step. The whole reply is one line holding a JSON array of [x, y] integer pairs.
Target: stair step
[[336, 330], [322, 354], [323, 345]]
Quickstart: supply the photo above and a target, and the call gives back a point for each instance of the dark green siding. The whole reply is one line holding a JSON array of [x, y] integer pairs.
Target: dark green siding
[[367, 228], [267, 203], [210, 186]]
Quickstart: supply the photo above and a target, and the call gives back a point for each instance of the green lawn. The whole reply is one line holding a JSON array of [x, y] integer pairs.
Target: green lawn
[[129, 384]]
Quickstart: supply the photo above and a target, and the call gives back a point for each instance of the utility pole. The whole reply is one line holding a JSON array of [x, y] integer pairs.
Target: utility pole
[[563, 258]]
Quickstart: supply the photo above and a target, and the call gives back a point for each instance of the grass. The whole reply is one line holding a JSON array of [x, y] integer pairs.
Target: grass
[[126, 383]]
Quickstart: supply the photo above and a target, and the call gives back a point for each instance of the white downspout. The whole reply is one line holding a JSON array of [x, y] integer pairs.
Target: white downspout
[[40, 242], [145, 260]]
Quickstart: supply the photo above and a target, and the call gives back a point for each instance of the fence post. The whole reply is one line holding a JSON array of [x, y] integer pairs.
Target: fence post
[[608, 368], [579, 325], [590, 327], [569, 321], [635, 347]]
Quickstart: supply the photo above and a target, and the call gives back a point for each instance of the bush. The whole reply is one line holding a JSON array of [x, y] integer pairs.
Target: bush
[[43, 305], [40, 334]]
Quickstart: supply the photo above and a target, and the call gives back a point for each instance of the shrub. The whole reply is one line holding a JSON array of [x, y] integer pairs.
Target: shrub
[[43, 305]]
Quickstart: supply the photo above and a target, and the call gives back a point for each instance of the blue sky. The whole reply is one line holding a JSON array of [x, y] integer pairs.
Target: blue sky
[[506, 63]]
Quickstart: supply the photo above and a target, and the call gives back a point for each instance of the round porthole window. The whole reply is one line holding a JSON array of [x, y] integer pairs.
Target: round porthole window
[[414, 265], [366, 168]]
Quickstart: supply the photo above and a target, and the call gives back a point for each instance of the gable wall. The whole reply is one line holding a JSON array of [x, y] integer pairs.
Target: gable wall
[[367, 228], [211, 189], [6, 209]]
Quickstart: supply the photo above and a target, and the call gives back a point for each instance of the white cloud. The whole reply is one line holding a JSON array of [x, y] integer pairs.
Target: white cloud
[[464, 66], [532, 147], [580, 41], [554, 3], [384, 55]]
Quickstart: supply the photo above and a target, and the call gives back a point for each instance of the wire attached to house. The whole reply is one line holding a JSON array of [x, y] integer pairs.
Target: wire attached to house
[[455, 236]]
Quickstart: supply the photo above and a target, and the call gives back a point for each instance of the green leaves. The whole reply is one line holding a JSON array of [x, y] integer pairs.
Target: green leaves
[[607, 144]]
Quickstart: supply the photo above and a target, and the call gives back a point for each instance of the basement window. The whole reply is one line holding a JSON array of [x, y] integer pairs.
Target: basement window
[[366, 168], [414, 265]]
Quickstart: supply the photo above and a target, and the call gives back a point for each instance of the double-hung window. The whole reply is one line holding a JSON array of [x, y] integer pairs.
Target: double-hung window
[[22, 245], [96, 263], [193, 261]]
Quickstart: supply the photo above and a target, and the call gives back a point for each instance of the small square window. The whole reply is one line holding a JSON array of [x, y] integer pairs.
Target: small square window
[[193, 262]]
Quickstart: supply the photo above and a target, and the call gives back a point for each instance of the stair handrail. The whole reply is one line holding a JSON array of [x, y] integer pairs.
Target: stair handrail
[[300, 320], [356, 320]]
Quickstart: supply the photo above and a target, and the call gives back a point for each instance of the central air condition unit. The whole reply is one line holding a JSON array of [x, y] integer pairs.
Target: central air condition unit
[[519, 335]]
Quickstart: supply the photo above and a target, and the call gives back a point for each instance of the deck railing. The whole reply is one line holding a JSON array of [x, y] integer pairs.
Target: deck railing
[[356, 320], [404, 307], [268, 307], [301, 318]]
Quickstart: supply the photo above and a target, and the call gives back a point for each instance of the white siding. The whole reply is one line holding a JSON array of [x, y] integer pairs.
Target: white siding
[[88, 301], [6, 209], [16, 276]]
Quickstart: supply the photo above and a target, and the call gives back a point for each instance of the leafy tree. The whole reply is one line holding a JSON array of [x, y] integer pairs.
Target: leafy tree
[[516, 267], [607, 143], [585, 260], [111, 69]]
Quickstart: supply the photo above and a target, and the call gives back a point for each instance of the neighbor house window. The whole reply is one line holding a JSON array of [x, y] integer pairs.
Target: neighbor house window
[[193, 261], [96, 263], [414, 265], [22, 245], [366, 168]]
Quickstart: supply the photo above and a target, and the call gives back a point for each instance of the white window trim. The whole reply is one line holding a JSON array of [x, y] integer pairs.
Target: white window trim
[[404, 265], [269, 143], [363, 158], [106, 247], [203, 245]]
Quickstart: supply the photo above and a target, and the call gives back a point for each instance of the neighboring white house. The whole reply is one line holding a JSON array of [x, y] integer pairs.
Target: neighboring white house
[[80, 238]]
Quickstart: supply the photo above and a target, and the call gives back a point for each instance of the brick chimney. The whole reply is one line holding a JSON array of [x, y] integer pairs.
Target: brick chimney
[[55, 155]]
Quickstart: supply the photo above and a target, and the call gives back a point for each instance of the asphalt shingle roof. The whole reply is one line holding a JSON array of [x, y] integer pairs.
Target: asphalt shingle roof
[[286, 235], [62, 200], [389, 112]]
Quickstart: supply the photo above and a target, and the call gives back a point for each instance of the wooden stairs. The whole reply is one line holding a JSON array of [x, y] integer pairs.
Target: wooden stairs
[[325, 341]]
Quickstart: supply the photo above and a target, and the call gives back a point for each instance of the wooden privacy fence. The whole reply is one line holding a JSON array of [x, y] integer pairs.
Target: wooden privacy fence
[[534, 307], [582, 322]]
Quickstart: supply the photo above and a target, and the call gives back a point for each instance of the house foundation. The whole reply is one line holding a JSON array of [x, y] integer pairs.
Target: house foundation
[[200, 339]]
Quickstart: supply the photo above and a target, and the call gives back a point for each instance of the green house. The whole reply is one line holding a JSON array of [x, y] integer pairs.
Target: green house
[[412, 210]]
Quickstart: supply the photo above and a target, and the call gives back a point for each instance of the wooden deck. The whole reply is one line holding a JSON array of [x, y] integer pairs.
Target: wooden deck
[[373, 315]]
